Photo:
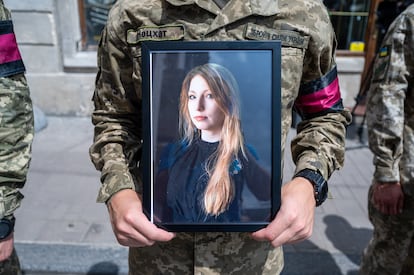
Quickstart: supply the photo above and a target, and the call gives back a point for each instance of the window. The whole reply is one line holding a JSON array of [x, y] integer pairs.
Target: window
[[349, 18], [93, 15]]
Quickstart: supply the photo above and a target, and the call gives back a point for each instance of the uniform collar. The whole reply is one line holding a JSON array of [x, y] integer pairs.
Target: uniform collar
[[234, 10]]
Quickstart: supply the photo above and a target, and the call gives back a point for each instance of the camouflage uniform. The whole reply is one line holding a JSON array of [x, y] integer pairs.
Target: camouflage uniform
[[390, 118], [309, 81], [16, 127]]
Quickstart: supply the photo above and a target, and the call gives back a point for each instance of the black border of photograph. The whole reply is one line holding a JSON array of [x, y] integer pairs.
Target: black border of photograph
[[174, 152]]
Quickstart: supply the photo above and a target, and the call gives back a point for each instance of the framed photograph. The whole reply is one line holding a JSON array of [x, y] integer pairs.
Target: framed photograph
[[212, 134]]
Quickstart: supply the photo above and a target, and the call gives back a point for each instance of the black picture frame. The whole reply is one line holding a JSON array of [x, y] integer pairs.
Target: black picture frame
[[256, 67]]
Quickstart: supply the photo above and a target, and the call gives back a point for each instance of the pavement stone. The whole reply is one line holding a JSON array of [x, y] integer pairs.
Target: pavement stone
[[60, 228]]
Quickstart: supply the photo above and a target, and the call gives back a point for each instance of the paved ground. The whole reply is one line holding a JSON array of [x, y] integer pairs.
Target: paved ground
[[61, 230]]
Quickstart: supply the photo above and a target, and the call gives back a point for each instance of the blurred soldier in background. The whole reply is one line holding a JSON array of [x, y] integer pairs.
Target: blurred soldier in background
[[16, 136], [386, 12], [390, 122]]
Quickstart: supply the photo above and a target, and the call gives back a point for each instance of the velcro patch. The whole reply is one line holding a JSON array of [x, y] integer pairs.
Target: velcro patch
[[383, 52], [155, 33], [288, 38], [381, 66]]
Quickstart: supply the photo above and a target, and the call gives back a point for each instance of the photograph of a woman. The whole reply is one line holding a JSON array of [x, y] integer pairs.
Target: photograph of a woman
[[202, 177]]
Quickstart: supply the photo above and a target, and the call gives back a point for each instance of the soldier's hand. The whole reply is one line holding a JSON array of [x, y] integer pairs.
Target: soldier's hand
[[6, 247], [130, 225], [388, 198], [294, 221]]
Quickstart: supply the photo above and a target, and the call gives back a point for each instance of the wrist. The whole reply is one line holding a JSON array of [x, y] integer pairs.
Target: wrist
[[320, 185], [6, 227]]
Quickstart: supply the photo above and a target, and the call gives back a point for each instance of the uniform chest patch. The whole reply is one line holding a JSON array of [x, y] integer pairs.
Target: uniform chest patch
[[155, 33], [288, 38]]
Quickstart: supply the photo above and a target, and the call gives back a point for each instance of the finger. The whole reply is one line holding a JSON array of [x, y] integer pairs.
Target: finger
[[157, 234], [289, 235], [151, 232], [387, 209], [298, 237], [382, 208], [128, 236], [396, 209], [141, 239], [297, 232], [400, 205], [282, 239], [138, 231], [136, 241], [376, 204], [274, 229]]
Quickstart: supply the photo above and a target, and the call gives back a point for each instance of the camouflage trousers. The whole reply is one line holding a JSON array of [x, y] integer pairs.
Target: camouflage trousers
[[207, 254], [11, 266], [391, 249]]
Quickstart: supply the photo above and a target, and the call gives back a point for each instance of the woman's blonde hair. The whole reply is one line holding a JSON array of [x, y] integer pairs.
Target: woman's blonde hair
[[220, 188]]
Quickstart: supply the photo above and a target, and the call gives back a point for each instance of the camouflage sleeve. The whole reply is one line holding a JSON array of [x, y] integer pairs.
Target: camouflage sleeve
[[117, 115], [385, 103], [16, 136], [320, 141], [16, 119]]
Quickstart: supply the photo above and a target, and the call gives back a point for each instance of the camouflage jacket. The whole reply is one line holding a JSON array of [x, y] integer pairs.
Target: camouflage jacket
[[309, 78], [390, 104], [16, 119]]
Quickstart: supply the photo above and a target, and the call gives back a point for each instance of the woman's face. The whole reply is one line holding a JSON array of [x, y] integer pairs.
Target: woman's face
[[204, 110]]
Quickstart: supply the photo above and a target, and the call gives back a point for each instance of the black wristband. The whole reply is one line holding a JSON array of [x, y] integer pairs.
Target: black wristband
[[6, 227], [320, 185]]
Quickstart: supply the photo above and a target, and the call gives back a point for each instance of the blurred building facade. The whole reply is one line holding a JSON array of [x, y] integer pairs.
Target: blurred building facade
[[57, 39]]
